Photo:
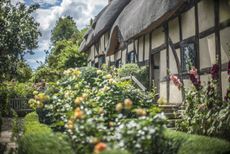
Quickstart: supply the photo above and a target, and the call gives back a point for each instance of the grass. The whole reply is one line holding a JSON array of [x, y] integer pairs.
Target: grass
[[39, 139], [195, 144]]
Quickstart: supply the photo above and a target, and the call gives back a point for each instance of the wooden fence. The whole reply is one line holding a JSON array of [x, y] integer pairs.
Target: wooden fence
[[19, 104]]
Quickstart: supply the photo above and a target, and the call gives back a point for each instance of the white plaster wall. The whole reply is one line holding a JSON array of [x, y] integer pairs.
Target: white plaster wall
[[207, 51], [92, 52], [147, 46], [158, 38], [141, 43], [130, 47], [102, 47], [225, 83], [187, 83], [106, 39], [163, 66], [163, 90], [174, 32], [117, 55], [112, 58], [123, 56], [175, 95], [107, 60], [205, 78], [224, 10], [172, 62], [225, 45], [206, 14], [96, 60], [188, 23]]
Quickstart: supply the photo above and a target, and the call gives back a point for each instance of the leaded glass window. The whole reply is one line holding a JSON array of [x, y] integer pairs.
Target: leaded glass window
[[188, 56]]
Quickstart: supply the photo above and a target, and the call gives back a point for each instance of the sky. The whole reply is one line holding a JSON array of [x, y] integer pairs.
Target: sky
[[49, 12]]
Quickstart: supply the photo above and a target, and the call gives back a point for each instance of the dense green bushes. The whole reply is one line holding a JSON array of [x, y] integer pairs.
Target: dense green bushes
[[39, 139], [141, 73], [13, 90], [182, 143]]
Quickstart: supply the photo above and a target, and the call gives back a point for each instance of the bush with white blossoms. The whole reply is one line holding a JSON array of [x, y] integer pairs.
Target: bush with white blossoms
[[91, 106], [142, 135]]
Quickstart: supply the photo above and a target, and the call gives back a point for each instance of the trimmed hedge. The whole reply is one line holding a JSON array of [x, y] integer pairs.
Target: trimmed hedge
[[183, 143], [39, 139]]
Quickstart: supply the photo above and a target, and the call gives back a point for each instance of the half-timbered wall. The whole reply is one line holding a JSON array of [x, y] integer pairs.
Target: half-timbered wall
[[206, 24]]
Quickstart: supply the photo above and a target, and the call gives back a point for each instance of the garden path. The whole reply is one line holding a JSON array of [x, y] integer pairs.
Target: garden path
[[8, 146]]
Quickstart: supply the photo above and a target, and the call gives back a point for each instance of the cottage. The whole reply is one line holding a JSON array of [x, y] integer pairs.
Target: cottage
[[166, 36]]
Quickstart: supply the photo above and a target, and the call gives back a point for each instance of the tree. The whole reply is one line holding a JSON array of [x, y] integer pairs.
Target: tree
[[18, 35], [65, 29], [65, 54]]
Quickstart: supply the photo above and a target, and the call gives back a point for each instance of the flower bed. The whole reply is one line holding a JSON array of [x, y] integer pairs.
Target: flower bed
[[100, 113], [39, 139]]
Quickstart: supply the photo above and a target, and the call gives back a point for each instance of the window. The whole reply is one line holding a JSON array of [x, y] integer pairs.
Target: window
[[188, 56], [101, 60], [131, 57], [118, 63]]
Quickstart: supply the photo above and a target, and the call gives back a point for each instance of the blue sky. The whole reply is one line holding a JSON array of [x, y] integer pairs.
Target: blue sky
[[49, 12]]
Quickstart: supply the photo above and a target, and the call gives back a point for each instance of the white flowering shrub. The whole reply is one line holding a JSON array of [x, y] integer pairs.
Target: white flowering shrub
[[91, 106]]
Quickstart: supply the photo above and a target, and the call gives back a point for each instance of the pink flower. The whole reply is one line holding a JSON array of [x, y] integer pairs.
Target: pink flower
[[176, 81], [214, 71], [193, 71], [194, 77]]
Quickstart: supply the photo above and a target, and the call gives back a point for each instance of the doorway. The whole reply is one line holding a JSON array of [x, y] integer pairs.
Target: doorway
[[155, 58]]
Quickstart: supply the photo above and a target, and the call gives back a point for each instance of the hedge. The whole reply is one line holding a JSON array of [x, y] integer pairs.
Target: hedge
[[39, 139], [183, 143]]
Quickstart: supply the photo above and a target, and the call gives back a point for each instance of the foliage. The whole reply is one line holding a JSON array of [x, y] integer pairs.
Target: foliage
[[65, 54], [14, 89], [22, 72], [64, 29], [89, 105], [141, 73], [140, 135], [205, 112], [39, 139], [19, 35], [45, 73], [115, 151], [183, 143]]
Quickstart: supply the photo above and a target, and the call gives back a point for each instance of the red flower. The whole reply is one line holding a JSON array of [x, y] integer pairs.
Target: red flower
[[176, 81], [215, 71], [194, 77]]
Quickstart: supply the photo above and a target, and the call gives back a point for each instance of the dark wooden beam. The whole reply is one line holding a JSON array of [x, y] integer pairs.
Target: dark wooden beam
[[197, 44], [166, 31], [217, 39], [138, 41], [158, 49], [143, 48], [150, 62]]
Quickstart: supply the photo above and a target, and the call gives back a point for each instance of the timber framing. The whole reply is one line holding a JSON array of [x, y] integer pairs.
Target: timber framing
[[186, 32]]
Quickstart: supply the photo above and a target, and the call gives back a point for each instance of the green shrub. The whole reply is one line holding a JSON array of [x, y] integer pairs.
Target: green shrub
[[141, 73], [39, 139], [182, 143], [13, 90], [114, 151]]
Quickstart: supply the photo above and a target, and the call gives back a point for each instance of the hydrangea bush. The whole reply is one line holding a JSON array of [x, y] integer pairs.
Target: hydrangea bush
[[98, 111]]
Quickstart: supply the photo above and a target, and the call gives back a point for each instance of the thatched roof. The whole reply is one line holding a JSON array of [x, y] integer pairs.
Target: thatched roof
[[141, 16], [104, 21]]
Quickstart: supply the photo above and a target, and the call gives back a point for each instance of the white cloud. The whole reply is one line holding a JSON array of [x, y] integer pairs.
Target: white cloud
[[81, 11], [14, 2], [41, 2]]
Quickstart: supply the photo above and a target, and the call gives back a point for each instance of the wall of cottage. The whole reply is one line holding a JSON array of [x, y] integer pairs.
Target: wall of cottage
[[181, 29]]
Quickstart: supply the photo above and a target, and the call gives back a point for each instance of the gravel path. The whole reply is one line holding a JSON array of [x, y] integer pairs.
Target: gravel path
[[8, 146]]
